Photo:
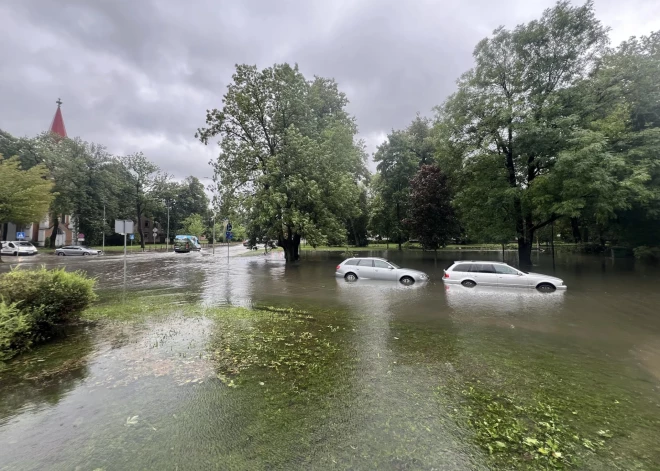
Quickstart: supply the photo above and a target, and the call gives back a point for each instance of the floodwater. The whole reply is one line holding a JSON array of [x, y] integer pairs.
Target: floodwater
[[383, 386]]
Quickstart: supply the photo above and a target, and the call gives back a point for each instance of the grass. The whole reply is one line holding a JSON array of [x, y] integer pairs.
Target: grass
[[313, 382]]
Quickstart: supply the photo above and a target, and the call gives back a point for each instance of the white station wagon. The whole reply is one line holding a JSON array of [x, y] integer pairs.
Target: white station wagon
[[487, 273]]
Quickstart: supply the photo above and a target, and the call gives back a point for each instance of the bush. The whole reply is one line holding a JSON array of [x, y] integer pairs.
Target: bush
[[35, 301], [15, 330], [647, 253]]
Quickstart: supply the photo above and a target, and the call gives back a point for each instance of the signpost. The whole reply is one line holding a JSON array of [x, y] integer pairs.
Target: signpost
[[155, 232], [124, 226], [81, 237], [20, 235]]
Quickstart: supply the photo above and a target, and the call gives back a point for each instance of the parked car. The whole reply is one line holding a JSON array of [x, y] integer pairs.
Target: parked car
[[77, 250], [372, 268], [16, 247], [472, 273]]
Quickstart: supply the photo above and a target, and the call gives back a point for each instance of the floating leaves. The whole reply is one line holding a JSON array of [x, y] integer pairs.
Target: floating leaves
[[132, 420]]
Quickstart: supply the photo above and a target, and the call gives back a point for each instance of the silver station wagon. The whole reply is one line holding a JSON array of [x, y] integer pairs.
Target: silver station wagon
[[486, 273], [372, 268]]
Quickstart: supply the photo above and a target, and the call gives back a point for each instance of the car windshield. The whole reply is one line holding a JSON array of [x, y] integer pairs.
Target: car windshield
[[25, 244], [393, 264]]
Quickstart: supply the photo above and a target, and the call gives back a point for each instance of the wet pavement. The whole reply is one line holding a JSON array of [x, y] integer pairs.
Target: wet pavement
[[386, 401]]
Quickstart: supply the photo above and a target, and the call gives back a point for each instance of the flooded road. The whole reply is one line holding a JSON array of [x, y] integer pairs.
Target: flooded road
[[382, 383]]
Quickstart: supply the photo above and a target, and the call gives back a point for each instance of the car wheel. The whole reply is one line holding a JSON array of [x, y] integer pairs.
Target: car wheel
[[15, 254], [350, 277], [546, 288], [85, 254], [407, 280], [469, 284], [60, 254]]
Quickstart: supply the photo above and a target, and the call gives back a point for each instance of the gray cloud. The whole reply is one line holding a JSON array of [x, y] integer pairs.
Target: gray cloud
[[140, 75]]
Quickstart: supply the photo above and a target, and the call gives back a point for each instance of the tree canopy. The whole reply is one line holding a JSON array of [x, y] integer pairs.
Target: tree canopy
[[288, 154]]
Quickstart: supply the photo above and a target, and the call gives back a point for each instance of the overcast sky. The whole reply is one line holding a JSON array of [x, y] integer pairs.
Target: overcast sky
[[139, 75]]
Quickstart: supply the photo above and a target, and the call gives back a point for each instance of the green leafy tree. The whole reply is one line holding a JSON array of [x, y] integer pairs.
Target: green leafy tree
[[194, 225], [25, 195], [289, 156], [397, 163], [143, 177], [432, 218], [511, 117]]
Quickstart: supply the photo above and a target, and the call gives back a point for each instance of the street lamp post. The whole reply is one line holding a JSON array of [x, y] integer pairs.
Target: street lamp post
[[213, 250], [103, 228], [167, 240]]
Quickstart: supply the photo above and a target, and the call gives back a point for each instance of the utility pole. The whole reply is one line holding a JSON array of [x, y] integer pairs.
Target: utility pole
[[213, 250], [103, 228], [167, 240]]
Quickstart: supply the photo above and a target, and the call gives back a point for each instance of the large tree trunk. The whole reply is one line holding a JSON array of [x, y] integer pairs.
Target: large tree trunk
[[291, 244], [525, 240], [525, 251], [575, 227], [53, 234]]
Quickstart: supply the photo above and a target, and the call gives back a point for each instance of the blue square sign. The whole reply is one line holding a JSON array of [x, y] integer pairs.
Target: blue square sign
[[20, 235]]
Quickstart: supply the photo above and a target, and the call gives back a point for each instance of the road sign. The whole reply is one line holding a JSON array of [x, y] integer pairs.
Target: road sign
[[229, 228], [155, 231], [123, 226], [81, 236], [228, 235], [131, 236], [20, 235]]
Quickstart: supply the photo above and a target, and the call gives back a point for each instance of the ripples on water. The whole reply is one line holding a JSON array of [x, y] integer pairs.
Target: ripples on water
[[72, 403]]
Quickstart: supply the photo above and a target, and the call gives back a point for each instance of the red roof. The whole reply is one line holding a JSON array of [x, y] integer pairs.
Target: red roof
[[58, 122]]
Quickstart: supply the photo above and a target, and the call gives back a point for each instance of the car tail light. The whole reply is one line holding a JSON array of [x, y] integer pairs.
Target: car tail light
[[338, 267], [446, 275]]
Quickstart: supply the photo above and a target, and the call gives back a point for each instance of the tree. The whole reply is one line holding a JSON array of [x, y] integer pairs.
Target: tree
[[511, 118], [431, 217], [25, 195], [288, 155], [194, 225], [143, 178], [396, 165]]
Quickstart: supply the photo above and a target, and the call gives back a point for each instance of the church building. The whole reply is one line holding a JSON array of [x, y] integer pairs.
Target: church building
[[39, 232]]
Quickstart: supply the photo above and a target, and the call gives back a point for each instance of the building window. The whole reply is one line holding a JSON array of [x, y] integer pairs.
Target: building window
[[146, 223]]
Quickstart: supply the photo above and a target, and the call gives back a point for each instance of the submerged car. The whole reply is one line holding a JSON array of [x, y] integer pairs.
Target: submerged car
[[372, 268], [486, 273], [15, 247], [77, 250]]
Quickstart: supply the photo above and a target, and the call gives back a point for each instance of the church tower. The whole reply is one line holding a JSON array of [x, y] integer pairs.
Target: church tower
[[57, 125]]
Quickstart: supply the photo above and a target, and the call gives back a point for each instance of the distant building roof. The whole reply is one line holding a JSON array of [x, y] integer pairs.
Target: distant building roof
[[57, 126]]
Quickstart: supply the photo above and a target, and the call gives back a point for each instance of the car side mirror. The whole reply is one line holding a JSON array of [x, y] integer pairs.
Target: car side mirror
[[391, 268], [520, 274]]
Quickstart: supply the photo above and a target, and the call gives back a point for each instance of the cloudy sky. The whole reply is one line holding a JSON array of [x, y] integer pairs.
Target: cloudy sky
[[139, 75]]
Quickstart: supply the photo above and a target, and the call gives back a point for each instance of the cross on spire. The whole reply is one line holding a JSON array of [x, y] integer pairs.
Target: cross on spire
[[57, 126]]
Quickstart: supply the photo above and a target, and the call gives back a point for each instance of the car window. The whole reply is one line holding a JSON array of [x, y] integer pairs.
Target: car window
[[351, 261], [381, 264], [25, 244], [365, 263], [463, 267], [505, 270], [393, 264], [482, 268]]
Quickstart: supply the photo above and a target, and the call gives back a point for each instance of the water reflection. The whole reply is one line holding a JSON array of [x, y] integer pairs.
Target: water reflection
[[500, 300], [43, 377]]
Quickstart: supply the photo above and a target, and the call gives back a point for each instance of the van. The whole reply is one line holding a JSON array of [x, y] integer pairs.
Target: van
[[15, 247]]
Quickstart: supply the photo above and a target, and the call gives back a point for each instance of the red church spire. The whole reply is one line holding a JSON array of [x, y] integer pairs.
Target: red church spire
[[57, 126]]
